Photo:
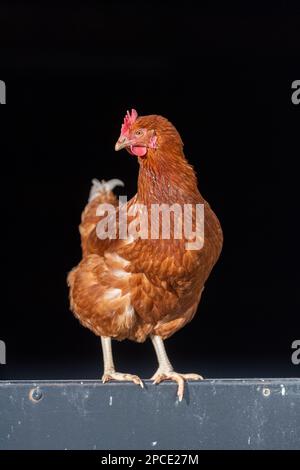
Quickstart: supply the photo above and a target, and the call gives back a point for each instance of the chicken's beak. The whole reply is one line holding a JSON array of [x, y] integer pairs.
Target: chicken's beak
[[122, 143]]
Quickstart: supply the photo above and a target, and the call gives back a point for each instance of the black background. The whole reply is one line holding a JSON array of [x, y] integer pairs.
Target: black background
[[222, 74]]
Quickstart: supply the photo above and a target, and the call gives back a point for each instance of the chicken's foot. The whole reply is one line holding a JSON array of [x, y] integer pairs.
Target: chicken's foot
[[165, 370], [109, 367]]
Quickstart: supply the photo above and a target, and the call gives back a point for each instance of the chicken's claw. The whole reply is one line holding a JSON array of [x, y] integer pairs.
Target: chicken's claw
[[160, 376], [121, 377]]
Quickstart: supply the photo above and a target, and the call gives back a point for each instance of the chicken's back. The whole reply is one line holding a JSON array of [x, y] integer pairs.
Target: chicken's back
[[100, 193]]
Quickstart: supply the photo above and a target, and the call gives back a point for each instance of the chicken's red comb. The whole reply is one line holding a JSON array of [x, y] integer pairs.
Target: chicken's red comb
[[129, 119]]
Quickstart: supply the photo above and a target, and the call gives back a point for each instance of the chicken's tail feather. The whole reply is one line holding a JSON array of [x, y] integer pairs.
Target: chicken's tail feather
[[101, 187]]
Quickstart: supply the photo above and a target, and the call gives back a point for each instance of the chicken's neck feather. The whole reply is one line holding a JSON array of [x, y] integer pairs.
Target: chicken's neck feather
[[165, 176]]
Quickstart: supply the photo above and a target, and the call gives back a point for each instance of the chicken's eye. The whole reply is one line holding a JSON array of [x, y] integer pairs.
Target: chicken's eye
[[138, 132]]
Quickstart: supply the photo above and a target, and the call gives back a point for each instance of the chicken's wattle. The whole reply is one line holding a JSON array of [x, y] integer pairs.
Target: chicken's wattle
[[138, 151]]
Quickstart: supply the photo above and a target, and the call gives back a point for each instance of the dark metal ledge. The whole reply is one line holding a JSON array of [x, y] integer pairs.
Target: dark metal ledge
[[214, 414]]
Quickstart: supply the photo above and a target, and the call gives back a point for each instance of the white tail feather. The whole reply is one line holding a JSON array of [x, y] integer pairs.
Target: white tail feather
[[100, 187]]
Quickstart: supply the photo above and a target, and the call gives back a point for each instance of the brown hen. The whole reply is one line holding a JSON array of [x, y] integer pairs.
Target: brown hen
[[140, 286]]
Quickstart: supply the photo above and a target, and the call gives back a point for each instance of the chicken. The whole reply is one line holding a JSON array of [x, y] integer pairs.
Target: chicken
[[139, 286]]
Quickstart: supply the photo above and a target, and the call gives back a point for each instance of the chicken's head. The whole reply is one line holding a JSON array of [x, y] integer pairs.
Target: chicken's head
[[134, 138], [145, 134]]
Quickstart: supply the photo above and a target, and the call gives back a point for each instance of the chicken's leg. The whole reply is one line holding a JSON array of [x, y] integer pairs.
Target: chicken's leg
[[165, 370], [109, 367]]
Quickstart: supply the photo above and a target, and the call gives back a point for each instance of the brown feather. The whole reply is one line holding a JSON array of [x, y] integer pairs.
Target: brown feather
[[132, 290]]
